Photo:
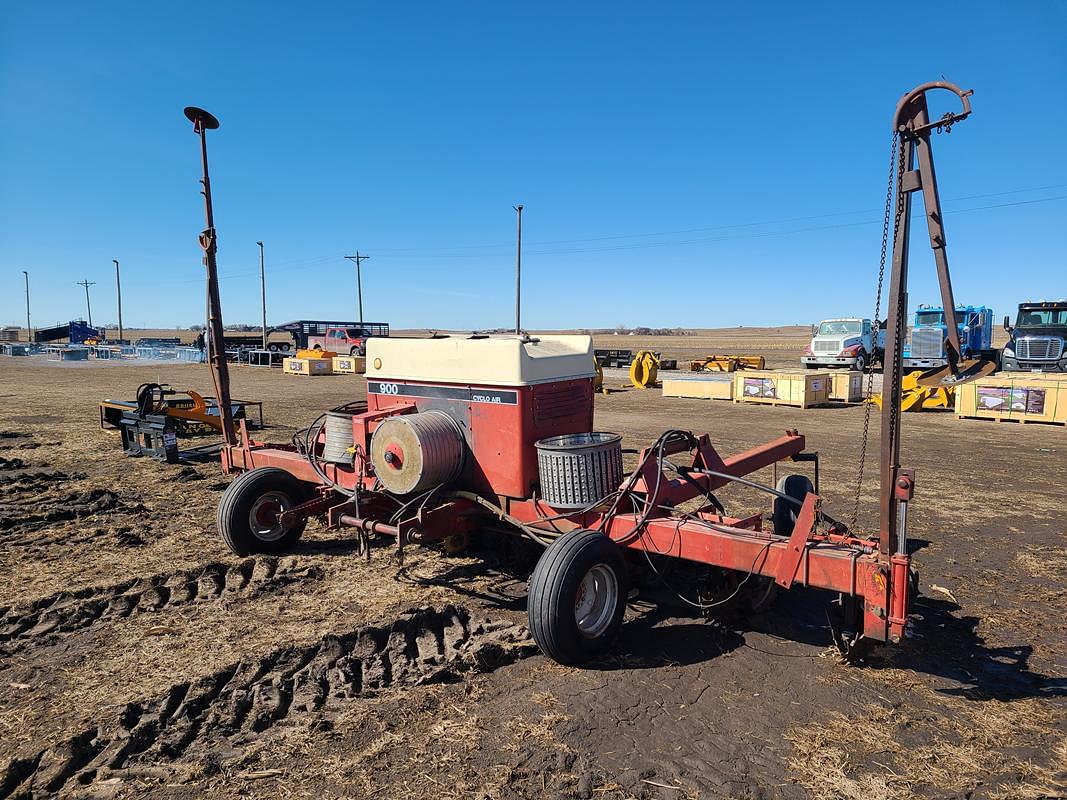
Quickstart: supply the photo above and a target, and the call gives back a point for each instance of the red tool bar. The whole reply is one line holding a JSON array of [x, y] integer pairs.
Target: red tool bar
[[792, 444], [819, 564], [675, 491]]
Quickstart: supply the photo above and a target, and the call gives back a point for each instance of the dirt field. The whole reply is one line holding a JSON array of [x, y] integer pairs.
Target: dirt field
[[138, 658]]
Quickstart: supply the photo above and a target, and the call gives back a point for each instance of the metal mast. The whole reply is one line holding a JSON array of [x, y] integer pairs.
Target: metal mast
[[911, 123], [203, 122]]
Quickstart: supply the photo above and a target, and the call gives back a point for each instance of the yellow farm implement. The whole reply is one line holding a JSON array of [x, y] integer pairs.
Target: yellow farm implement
[[644, 369], [727, 363], [914, 397]]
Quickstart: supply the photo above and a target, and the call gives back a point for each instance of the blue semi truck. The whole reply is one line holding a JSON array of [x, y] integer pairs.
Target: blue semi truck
[[926, 346]]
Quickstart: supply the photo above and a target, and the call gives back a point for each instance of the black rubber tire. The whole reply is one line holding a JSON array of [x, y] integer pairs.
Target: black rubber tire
[[236, 504], [783, 513], [272, 347], [553, 590], [761, 595], [861, 362]]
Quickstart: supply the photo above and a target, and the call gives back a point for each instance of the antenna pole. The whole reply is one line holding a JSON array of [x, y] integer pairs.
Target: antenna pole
[[518, 271]]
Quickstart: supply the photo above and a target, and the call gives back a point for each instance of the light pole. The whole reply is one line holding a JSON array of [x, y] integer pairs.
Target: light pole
[[518, 272], [89, 309], [29, 334], [118, 290], [263, 293], [358, 259]]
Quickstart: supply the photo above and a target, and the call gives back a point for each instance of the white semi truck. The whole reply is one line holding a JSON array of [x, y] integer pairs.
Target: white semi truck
[[852, 342]]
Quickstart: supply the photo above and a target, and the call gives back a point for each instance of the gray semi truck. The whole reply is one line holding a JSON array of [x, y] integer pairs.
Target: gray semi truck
[[1036, 341]]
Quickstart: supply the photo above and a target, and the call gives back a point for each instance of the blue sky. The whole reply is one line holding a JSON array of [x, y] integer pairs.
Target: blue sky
[[693, 164]]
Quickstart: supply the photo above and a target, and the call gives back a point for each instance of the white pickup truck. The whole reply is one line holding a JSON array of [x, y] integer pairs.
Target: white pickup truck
[[850, 342]]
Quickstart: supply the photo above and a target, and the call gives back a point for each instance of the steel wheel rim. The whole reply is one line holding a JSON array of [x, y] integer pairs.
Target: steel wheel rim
[[595, 601], [263, 516]]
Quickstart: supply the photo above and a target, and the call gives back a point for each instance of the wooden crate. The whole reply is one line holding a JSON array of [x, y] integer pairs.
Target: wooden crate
[[350, 365], [307, 366], [1015, 397], [800, 388], [847, 386], [713, 387]]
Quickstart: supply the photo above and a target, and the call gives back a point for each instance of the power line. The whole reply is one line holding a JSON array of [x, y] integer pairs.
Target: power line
[[437, 252], [731, 226], [709, 239]]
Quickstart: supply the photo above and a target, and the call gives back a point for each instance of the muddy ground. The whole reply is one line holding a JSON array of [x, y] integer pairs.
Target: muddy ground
[[139, 658]]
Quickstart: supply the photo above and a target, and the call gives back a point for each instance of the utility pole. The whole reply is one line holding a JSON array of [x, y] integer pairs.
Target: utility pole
[[87, 283], [118, 290], [263, 293], [29, 334], [358, 259], [518, 273]]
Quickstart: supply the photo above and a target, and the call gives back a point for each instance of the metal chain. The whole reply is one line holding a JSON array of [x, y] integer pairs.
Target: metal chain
[[896, 168]]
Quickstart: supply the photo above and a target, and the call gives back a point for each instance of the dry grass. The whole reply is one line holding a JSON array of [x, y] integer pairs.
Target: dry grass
[[936, 743], [391, 746], [1044, 562]]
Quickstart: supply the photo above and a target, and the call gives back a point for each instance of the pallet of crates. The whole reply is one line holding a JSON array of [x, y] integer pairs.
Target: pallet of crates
[[1015, 397], [349, 365], [308, 365], [707, 386], [799, 388], [846, 386]]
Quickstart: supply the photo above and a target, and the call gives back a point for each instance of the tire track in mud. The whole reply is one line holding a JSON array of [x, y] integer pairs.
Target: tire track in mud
[[209, 719], [18, 477], [66, 612], [11, 440], [35, 498]]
